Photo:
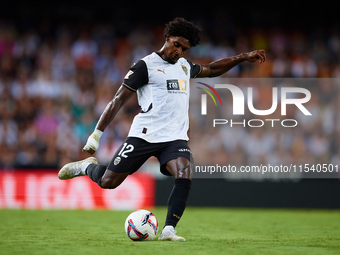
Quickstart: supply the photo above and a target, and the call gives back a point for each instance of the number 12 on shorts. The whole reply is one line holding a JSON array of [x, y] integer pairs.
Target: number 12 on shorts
[[125, 149]]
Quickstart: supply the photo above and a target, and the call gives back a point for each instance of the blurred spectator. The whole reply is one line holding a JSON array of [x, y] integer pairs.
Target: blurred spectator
[[84, 49]]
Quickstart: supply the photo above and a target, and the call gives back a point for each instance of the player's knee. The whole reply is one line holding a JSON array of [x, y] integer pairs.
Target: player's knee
[[184, 174], [184, 171]]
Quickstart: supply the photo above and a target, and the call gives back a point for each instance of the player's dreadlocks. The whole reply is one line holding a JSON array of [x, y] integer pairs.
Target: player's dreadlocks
[[181, 27]]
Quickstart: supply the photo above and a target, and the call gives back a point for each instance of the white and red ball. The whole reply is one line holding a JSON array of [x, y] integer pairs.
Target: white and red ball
[[141, 225]]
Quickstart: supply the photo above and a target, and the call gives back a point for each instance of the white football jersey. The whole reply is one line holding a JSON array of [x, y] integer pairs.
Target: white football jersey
[[163, 91]]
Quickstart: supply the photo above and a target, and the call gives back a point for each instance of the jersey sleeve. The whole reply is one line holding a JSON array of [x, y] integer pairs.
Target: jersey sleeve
[[195, 69], [137, 76]]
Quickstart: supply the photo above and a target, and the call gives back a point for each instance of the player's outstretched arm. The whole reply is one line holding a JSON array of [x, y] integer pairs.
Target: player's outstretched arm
[[222, 66], [122, 96]]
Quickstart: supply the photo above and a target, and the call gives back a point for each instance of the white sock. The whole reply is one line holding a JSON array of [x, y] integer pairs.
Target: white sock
[[85, 166], [168, 228]]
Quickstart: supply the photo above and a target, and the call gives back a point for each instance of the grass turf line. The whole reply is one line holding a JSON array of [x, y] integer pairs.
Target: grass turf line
[[207, 230]]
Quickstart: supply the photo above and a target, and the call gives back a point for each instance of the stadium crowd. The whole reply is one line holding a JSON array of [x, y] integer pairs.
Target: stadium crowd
[[54, 84]]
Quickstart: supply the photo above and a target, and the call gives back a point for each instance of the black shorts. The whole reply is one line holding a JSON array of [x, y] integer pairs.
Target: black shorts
[[133, 153]]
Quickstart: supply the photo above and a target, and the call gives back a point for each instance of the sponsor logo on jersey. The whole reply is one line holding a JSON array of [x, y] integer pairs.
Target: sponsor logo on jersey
[[128, 74], [176, 85], [172, 84]]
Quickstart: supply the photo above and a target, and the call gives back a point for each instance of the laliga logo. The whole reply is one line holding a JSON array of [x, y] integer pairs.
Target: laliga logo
[[239, 100]]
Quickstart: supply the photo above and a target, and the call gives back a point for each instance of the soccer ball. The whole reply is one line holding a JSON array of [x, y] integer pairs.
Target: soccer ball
[[141, 225]]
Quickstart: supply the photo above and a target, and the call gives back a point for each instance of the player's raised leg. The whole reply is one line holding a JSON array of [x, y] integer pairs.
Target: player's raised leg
[[97, 173], [181, 169]]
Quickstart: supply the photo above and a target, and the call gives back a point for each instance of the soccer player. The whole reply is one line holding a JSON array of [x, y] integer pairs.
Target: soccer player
[[161, 81]]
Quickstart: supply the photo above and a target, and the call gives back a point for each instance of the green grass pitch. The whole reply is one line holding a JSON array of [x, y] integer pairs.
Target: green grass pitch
[[207, 230]]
